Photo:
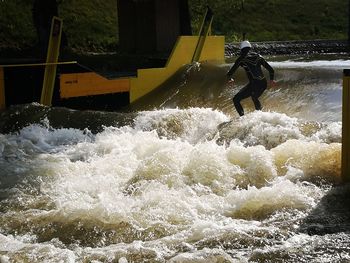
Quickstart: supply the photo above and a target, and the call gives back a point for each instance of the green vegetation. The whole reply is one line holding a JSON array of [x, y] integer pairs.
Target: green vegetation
[[89, 25], [265, 20], [92, 25]]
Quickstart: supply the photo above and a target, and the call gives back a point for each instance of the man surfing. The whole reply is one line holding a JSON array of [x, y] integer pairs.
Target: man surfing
[[252, 63]]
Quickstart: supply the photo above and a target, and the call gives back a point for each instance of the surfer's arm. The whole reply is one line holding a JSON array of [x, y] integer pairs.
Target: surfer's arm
[[234, 68], [269, 68], [266, 65]]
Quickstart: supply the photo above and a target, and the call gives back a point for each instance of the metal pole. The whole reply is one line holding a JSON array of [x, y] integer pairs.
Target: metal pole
[[345, 155], [51, 58], [203, 33], [2, 89]]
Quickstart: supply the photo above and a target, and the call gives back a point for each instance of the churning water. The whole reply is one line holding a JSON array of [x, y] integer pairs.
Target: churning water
[[180, 178]]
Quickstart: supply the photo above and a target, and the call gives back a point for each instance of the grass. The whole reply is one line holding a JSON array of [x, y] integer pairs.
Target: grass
[[93, 25], [266, 20], [89, 25]]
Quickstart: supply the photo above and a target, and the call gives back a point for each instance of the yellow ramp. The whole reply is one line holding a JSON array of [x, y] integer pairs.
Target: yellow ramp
[[182, 54]]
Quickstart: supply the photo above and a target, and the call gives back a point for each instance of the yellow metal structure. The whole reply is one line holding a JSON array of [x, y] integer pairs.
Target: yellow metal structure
[[52, 57], [188, 49], [149, 79], [2, 77], [90, 83], [37, 64], [2, 89], [345, 156], [204, 31]]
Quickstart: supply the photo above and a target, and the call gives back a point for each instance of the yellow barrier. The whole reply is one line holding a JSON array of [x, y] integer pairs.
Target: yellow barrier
[[2, 89], [52, 57], [345, 156], [89, 84], [149, 79]]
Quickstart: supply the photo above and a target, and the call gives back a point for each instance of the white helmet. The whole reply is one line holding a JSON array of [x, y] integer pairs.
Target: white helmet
[[244, 44]]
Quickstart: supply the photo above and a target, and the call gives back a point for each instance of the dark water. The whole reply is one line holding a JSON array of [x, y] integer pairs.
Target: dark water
[[178, 177]]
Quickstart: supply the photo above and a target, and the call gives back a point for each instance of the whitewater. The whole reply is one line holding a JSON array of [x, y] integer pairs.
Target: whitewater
[[180, 177]]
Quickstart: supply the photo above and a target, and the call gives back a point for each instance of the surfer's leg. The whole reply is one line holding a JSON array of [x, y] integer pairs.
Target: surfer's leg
[[257, 103], [259, 86], [242, 94]]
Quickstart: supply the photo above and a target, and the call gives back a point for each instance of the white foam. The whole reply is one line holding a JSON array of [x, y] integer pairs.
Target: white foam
[[256, 162], [203, 256], [146, 180], [330, 133], [263, 128], [340, 63], [17, 251], [258, 203], [192, 125], [313, 158]]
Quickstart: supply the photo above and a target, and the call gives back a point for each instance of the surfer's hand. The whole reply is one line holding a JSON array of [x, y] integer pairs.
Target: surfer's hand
[[230, 81], [273, 83]]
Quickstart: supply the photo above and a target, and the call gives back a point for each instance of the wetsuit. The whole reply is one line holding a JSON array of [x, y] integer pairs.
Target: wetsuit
[[252, 63]]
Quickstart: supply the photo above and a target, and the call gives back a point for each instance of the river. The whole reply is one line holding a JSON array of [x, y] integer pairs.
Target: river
[[179, 177]]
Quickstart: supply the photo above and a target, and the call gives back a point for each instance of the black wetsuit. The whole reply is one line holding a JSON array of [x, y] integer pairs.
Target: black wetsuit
[[252, 63]]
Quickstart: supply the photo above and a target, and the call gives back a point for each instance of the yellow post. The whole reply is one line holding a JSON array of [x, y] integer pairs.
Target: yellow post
[[203, 33], [52, 57], [345, 156], [2, 89]]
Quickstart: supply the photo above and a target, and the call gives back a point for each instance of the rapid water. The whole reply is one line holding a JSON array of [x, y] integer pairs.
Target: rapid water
[[179, 177]]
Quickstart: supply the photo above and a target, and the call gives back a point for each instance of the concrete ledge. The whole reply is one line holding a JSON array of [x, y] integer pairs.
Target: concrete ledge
[[292, 47]]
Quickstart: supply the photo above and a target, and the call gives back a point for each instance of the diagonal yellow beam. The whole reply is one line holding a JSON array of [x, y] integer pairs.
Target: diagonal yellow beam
[[202, 35], [52, 57]]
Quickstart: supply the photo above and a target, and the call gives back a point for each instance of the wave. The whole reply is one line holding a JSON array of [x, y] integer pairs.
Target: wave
[[176, 183], [332, 64]]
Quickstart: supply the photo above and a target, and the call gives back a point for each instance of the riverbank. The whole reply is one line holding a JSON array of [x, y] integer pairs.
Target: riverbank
[[292, 47], [287, 47]]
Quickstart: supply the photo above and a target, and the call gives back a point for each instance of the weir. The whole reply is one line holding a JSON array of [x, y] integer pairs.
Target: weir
[[77, 86]]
